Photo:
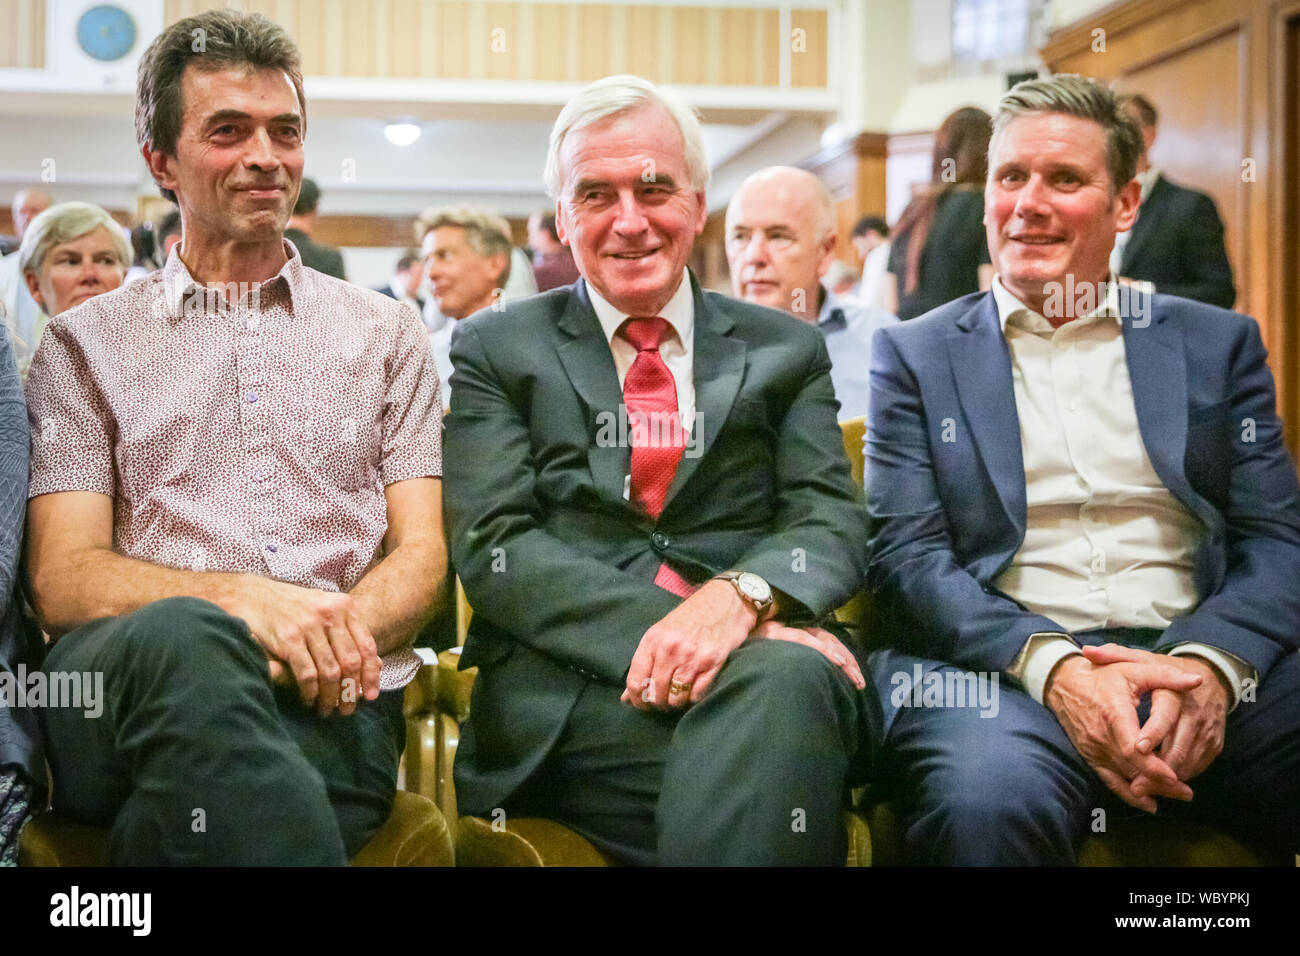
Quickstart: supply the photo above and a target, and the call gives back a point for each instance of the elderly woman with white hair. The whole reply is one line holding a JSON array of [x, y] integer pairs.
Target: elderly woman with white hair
[[70, 253]]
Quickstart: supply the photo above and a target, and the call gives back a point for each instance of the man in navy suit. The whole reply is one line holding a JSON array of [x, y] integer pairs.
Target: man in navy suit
[[1081, 507]]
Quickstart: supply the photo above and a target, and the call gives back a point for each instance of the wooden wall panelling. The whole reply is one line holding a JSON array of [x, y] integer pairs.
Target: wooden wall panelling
[[593, 38], [404, 37], [854, 173], [551, 59], [684, 44], [22, 34], [1219, 72], [808, 65], [692, 55], [643, 42]]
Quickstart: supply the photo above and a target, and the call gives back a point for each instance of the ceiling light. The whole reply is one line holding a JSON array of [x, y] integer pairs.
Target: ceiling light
[[401, 134]]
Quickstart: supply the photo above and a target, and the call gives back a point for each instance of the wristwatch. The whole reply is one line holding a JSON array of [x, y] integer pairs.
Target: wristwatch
[[752, 589]]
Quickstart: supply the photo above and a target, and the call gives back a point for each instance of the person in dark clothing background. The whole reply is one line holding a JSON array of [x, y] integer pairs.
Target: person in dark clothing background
[[320, 257], [1177, 242], [939, 251]]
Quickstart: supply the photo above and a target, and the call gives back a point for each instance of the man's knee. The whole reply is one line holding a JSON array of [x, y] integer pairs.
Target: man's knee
[[187, 631], [784, 668]]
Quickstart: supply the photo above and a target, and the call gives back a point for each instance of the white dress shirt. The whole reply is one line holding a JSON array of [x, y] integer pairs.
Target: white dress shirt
[[871, 289], [1106, 544], [678, 351]]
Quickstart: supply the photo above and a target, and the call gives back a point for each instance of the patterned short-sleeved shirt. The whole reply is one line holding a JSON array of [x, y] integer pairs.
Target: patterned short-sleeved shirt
[[252, 431]]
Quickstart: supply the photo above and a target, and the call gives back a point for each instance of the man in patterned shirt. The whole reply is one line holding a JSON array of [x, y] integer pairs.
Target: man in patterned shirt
[[235, 509]]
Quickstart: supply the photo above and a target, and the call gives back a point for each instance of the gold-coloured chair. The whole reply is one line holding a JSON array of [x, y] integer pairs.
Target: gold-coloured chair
[[415, 834]]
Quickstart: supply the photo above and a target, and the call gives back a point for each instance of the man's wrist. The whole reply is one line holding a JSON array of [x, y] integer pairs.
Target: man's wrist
[[738, 609], [1062, 669]]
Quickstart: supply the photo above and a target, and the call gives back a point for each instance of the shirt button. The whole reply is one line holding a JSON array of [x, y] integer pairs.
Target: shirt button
[[252, 397], [272, 548], [659, 540], [259, 475]]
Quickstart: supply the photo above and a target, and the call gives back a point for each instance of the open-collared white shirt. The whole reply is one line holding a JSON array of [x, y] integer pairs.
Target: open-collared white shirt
[[1106, 543]]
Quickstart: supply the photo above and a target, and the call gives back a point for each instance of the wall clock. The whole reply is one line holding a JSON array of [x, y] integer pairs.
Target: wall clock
[[106, 32]]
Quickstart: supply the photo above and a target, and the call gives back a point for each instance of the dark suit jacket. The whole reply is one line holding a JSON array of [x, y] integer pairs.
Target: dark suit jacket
[[20, 638], [1177, 243], [559, 567], [948, 516], [320, 257]]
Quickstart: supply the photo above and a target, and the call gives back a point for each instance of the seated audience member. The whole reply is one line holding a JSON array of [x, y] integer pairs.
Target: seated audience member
[[22, 764], [142, 252], [467, 257], [840, 278], [553, 264], [650, 510], [19, 311], [302, 223], [870, 239], [70, 253], [405, 284], [169, 233], [1177, 242], [938, 252], [780, 241], [1087, 494], [240, 531]]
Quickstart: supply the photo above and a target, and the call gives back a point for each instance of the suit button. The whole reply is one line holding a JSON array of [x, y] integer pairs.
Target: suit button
[[659, 540]]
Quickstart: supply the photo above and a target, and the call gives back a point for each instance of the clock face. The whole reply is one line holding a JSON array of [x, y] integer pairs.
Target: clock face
[[106, 33]]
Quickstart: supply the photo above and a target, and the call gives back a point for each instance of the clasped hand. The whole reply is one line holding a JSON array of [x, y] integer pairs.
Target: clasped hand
[[1095, 698], [317, 640], [679, 657]]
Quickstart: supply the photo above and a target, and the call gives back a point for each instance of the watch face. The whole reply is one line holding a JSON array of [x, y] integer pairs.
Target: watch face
[[106, 33], [754, 587]]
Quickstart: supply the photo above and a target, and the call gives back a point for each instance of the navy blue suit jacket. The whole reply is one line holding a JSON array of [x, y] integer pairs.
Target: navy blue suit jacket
[[948, 516]]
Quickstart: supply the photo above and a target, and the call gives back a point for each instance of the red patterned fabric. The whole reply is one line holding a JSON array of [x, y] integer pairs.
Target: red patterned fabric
[[654, 426]]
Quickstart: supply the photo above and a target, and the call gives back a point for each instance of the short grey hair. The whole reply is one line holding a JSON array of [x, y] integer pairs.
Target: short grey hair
[[486, 232], [1087, 99], [620, 94], [63, 223]]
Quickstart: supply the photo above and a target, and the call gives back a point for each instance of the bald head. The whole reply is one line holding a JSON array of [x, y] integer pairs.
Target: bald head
[[781, 239], [28, 204]]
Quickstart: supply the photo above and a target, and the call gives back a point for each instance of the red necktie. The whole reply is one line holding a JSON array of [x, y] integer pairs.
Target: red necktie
[[654, 426]]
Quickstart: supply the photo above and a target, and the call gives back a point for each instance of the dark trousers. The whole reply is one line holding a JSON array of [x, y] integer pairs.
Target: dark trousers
[[756, 773], [1012, 790], [197, 759]]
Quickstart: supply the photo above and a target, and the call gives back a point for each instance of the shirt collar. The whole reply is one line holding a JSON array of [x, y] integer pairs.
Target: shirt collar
[[679, 312], [831, 315], [1008, 305], [178, 284], [1147, 181]]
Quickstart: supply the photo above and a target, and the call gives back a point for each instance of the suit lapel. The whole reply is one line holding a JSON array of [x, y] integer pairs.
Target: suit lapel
[[589, 364], [981, 369], [1153, 349], [719, 368]]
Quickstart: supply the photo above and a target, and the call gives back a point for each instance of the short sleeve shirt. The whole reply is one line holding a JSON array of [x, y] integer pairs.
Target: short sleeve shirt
[[250, 430]]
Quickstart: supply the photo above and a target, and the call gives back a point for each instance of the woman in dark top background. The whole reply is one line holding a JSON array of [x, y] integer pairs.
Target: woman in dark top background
[[939, 244]]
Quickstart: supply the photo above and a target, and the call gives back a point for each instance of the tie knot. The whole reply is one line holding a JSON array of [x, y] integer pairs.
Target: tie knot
[[646, 333]]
